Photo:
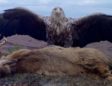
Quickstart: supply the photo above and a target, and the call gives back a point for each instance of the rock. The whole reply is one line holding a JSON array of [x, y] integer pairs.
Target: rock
[[16, 42], [104, 46]]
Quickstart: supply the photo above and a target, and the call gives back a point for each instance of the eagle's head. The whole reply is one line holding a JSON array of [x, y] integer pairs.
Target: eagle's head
[[58, 11], [57, 14]]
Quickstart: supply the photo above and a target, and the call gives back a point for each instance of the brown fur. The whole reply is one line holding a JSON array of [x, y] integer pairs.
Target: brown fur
[[57, 61]]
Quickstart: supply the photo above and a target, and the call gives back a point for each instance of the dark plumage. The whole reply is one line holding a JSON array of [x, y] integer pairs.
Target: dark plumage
[[60, 31], [24, 22], [92, 28]]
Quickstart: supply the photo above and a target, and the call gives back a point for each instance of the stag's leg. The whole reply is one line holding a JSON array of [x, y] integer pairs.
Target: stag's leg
[[104, 70], [99, 68]]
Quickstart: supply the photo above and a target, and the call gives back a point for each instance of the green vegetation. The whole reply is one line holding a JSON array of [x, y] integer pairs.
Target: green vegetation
[[16, 47]]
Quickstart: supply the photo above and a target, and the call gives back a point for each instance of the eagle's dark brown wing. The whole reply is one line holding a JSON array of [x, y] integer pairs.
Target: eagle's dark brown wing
[[23, 22]]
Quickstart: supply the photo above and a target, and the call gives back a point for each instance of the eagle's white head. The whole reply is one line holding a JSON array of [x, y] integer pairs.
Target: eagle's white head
[[57, 14]]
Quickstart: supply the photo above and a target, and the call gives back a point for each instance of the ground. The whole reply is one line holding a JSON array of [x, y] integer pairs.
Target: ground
[[39, 80], [18, 42]]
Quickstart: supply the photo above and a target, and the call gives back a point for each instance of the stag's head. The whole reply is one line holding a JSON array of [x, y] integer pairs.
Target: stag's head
[[7, 67]]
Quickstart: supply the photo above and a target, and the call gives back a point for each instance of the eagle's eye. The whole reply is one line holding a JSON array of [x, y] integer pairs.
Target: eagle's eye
[[61, 9], [54, 8]]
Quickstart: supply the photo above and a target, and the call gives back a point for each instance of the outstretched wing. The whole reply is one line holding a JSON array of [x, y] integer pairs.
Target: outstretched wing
[[93, 28], [23, 22]]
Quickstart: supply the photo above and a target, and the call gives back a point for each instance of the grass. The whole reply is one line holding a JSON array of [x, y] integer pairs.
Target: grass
[[41, 80]]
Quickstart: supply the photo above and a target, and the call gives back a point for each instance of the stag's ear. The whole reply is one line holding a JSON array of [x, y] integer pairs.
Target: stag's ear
[[11, 62]]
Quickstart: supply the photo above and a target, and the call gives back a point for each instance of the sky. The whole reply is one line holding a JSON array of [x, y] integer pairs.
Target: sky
[[72, 8]]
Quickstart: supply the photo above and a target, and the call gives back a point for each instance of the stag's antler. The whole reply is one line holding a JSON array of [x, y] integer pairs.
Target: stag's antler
[[3, 41]]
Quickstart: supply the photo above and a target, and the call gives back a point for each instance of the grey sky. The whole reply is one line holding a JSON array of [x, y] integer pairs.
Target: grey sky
[[72, 8]]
